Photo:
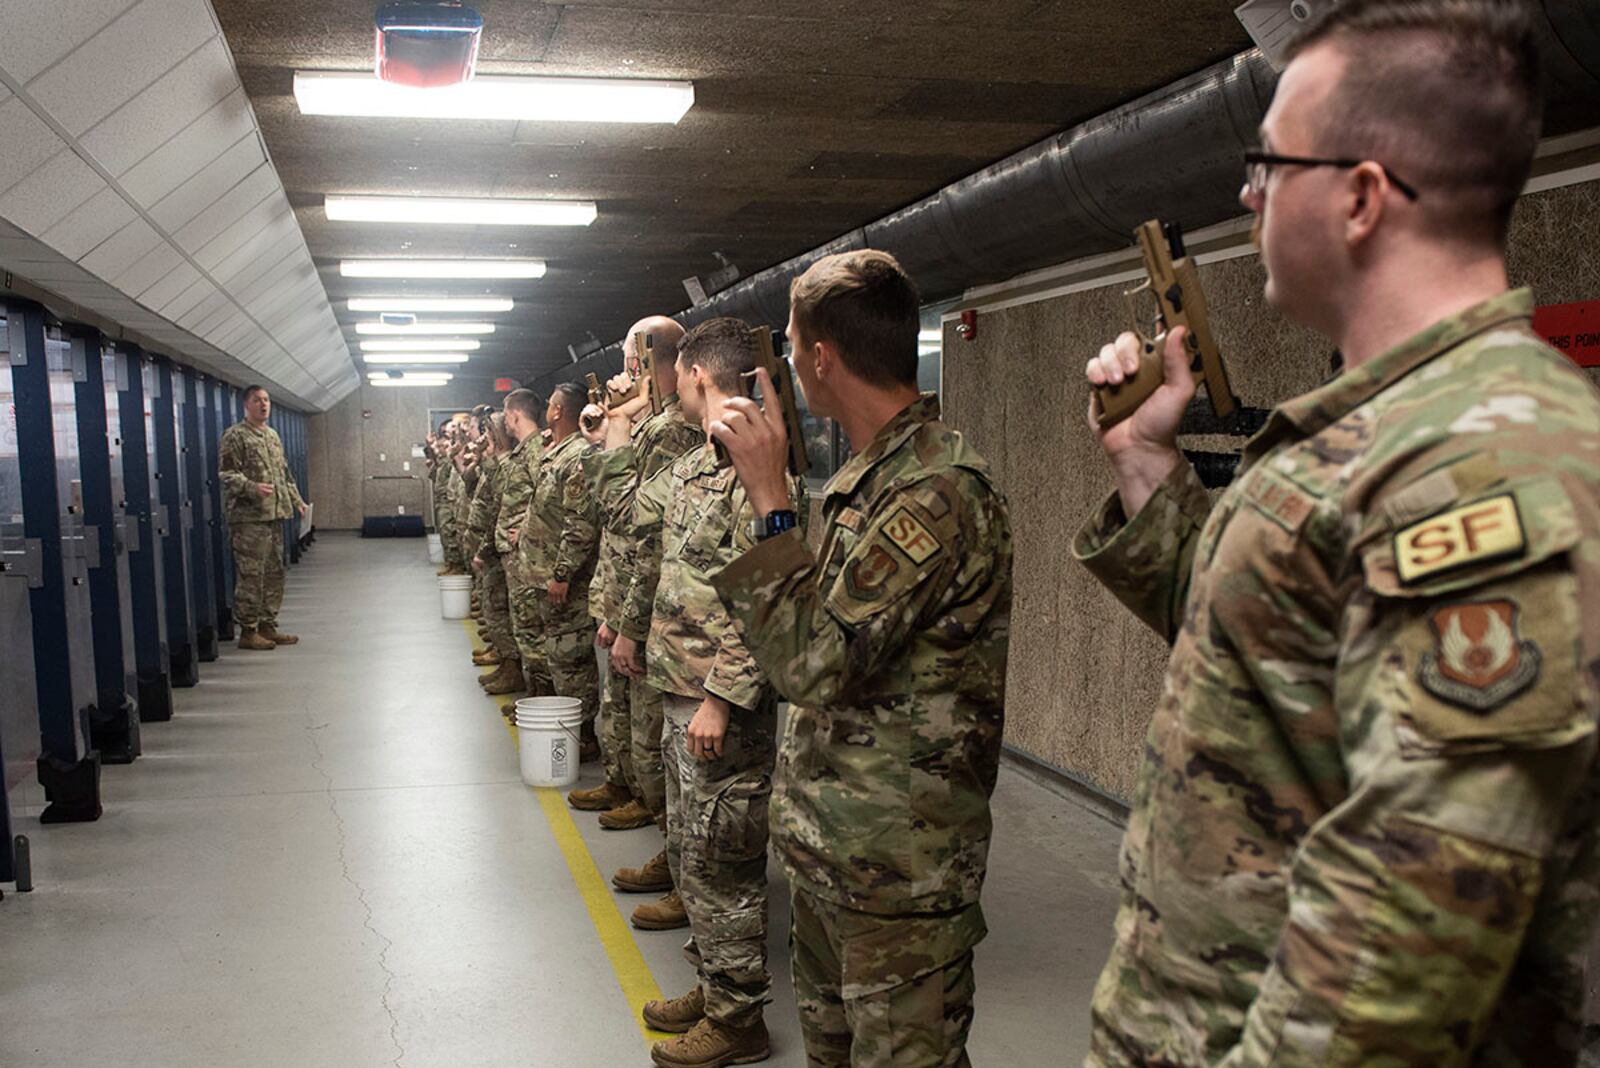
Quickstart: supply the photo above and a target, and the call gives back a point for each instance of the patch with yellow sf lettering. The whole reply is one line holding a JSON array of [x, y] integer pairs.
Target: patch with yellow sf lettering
[[911, 537], [1473, 534]]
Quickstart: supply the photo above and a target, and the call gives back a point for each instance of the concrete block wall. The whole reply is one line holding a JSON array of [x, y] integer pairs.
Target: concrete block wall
[[1084, 674], [358, 450]]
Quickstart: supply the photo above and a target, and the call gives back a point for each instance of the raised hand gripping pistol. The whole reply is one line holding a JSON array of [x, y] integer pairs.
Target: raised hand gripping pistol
[[1175, 284], [644, 379], [783, 384]]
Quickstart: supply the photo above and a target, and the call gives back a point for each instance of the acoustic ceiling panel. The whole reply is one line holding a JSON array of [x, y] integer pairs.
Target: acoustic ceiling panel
[[134, 183]]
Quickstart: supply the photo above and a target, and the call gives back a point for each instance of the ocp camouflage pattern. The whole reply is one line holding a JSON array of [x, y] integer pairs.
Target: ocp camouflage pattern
[[1333, 859]]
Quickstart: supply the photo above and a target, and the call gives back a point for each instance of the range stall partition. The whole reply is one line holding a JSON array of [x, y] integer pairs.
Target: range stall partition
[[198, 457], [98, 371], [148, 535], [165, 381], [44, 396]]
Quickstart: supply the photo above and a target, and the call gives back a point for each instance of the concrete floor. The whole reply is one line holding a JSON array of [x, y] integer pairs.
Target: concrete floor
[[327, 859]]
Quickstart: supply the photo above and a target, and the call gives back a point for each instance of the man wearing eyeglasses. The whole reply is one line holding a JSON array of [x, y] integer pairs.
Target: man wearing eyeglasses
[[1365, 832]]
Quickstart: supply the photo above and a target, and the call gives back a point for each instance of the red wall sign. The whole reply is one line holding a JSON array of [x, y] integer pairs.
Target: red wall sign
[[1573, 329], [505, 385]]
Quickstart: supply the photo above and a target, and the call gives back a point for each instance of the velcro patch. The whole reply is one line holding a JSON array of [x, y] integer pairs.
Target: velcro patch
[[1479, 661], [850, 519], [1488, 530], [911, 537], [865, 576]]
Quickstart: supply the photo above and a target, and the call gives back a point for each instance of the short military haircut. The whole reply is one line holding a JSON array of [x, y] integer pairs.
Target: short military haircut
[[1445, 93], [571, 396], [496, 429], [724, 350], [253, 388], [867, 306], [524, 401]]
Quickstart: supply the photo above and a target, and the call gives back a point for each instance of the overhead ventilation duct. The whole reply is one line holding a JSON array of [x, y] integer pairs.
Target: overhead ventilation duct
[[1174, 153]]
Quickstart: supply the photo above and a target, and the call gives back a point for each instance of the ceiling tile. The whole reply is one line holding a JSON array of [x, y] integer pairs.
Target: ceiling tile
[[103, 215], [186, 300], [159, 113], [144, 277], [28, 141], [39, 32], [50, 193], [191, 151], [250, 193], [109, 69], [122, 250], [225, 172]]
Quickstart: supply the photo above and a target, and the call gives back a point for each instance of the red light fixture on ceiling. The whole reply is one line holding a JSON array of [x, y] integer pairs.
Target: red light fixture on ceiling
[[425, 44]]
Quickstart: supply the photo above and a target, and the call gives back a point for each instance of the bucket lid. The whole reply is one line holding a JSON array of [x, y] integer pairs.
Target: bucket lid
[[549, 704]]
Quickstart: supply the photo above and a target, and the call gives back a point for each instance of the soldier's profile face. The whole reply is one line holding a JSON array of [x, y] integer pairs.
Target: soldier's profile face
[[258, 406]]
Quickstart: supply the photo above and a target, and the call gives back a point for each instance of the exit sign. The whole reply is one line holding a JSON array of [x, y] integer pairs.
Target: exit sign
[[505, 385], [1572, 329]]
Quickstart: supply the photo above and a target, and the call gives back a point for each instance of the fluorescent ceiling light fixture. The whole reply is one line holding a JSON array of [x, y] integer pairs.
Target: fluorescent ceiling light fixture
[[925, 335], [414, 376], [420, 346], [379, 359], [424, 329], [460, 212], [442, 268], [495, 97], [406, 383], [430, 304]]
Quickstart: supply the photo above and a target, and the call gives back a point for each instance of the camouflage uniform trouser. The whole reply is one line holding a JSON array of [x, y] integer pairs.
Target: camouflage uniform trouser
[[258, 573], [616, 741], [523, 602], [646, 714], [569, 649], [444, 518], [880, 991], [717, 830], [497, 609]]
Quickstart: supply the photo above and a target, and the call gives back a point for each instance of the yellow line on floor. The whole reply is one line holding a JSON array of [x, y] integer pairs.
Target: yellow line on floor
[[633, 974]]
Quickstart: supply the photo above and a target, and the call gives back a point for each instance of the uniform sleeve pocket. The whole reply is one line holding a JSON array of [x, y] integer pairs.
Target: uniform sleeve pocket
[[1479, 606]]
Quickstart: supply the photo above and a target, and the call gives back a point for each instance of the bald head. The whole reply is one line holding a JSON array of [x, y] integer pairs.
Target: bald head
[[665, 334]]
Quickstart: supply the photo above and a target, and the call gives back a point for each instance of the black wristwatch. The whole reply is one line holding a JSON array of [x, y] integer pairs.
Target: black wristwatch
[[774, 524]]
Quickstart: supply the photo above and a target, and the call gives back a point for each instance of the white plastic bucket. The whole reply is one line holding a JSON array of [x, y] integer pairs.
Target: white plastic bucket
[[435, 549], [455, 596], [547, 737]]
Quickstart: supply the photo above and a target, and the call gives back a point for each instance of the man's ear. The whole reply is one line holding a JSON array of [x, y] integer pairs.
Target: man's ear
[[1365, 203]]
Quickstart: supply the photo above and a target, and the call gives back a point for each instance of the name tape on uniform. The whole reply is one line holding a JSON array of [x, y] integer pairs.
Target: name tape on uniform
[[911, 537], [1487, 530]]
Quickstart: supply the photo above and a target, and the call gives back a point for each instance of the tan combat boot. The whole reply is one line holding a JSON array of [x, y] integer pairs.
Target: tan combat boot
[[628, 817], [485, 657], [664, 915], [654, 878], [250, 638], [710, 1044], [278, 637], [507, 679], [676, 1015], [598, 798]]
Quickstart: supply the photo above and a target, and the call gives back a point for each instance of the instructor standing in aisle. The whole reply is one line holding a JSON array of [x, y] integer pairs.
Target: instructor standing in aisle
[[261, 494]]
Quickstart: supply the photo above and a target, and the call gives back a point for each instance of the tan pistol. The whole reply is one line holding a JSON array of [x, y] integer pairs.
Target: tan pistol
[[782, 376], [1175, 284], [596, 394]]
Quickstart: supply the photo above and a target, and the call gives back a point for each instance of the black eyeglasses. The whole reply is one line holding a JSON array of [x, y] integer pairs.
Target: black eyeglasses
[[1258, 164]]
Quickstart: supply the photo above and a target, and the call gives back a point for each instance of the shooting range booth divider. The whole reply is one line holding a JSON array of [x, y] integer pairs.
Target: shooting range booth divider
[[196, 455], [184, 653], [114, 713], [44, 394], [20, 572], [148, 535]]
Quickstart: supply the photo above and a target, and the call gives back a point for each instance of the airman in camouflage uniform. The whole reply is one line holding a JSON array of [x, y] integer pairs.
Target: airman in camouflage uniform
[[890, 642], [1367, 827], [518, 475], [507, 677], [260, 494], [561, 536]]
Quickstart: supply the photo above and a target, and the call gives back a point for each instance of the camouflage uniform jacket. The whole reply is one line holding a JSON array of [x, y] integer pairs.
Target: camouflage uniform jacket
[[694, 648], [653, 445], [485, 511], [248, 456], [891, 645], [562, 533], [517, 475], [1365, 829]]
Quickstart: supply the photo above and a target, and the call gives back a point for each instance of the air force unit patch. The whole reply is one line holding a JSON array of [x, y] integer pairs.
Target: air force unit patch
[[1476, 533], [911, 537], [1478, 661]]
